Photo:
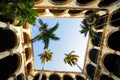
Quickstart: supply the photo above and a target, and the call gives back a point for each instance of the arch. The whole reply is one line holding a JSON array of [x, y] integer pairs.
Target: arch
[[8, 66], [112, 64], [97, 41], [56, 12], [88, 12], [113, 41], [8, 39], [85, 2], [41, 11], [54, 77], [105, 77], [26, 38], [21, 76], [73, 12], [106, 3], [28, 53], [37, 76], [29, 67], [93, 54], [79, 77], [114, 20], [59, 2], [67, 77], [91, 70]]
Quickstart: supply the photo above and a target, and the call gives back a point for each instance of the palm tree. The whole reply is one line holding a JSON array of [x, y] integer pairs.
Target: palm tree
[[46, 34], [72, 60], [45, 57], [87, 26]]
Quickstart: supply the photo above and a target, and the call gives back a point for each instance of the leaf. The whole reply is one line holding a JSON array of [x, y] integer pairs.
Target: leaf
[[33, 12], [30, 4]]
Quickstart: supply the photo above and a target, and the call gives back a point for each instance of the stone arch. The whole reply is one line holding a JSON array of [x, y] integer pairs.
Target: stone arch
[[112, 64], [78, 77], [26, 38], [8, 39], [67, 77], [28, 53], [91, 70], [59, 2], [21, 76], [8, 66], [85, 2], [54, 77], [105, 77], [114, 19], [113, 41], [93, 54], [106, 3], [37, 76]]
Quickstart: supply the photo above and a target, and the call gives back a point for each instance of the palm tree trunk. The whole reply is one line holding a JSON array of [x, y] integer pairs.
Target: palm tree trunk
[[83, 72], [41, 74]]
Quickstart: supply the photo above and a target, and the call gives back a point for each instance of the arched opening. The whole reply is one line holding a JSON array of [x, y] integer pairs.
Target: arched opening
[[29, 67], [8, 39], [59, 1], [105, 77], [89, 12], [37, 77], [84, 1], [56, 12], [27, 53], [106, 3], [115, 21], [93, 54], [91, 70], [112, 64], [41, 11], [114, 41], [96, 41], [73, 12], [26, 38], [21, 77], [79, 77], [67, 77], [54, 77], [8, 66]]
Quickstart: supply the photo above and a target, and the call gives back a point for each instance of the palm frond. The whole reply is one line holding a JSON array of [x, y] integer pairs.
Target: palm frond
[[38, 37], [53, 37], [51, 30], [46, 56], [46, 42], [71, 58], [41, 22]]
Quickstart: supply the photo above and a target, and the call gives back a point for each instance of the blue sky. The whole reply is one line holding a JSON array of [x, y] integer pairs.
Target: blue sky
[[70, 39]]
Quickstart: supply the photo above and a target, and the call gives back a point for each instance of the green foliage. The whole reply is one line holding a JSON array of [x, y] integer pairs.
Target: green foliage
[[46, 56], [71, 58], [87, 25], [46, 34], [21, 10]]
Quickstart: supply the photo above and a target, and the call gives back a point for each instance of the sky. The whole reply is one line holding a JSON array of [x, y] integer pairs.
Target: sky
[[70, 39]]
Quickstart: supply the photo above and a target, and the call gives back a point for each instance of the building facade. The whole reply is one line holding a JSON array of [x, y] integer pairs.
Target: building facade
[[102, 60]]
